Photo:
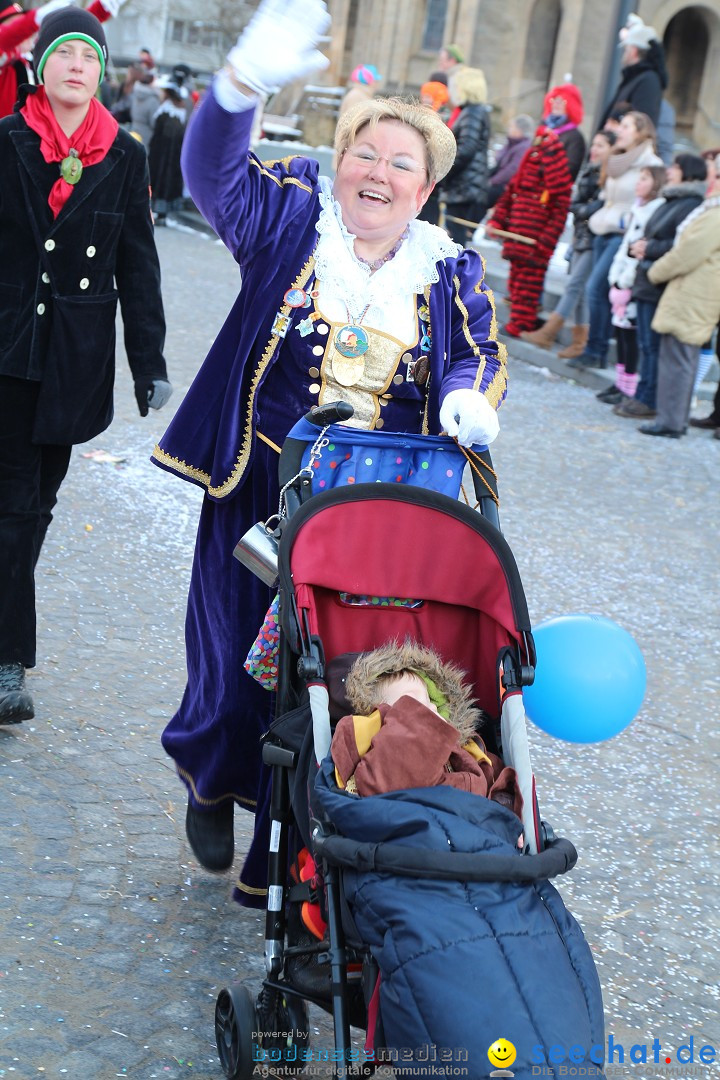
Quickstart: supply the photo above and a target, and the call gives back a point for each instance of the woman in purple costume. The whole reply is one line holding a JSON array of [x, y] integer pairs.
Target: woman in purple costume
[[317, 257]]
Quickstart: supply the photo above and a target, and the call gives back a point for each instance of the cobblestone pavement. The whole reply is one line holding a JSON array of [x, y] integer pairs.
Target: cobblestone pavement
[[113, 943]]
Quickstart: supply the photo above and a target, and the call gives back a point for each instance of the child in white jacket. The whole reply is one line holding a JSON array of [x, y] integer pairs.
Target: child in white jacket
[[621, 277]]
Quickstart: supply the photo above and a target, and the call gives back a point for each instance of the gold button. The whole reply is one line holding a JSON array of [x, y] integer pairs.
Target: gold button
[[84, 282], [379, 423], [397, 379], [318, 350], [49, 245], [314, 372], [406, 358], [322, 328], [46, 278], [314, 388], [90, 251], [41, 309]]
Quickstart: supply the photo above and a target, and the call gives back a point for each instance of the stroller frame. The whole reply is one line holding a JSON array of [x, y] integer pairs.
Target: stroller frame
[[245, 1027]]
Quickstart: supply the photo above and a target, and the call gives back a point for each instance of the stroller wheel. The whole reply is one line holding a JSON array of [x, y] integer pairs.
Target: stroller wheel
[[235, 1032], [289, 1022]]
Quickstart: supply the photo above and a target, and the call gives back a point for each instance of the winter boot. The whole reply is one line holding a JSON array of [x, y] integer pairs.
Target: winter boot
[[546, 335], [15, 701], [577, 345]]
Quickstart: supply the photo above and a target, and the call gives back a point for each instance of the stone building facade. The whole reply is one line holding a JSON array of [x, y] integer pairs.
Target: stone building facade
[[525, 46]]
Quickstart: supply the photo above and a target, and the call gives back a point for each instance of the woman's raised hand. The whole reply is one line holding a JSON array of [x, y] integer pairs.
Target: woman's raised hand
[[279, 44]]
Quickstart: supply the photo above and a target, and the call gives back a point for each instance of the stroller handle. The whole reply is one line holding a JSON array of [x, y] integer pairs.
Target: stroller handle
[[559, 857], [332, 413]]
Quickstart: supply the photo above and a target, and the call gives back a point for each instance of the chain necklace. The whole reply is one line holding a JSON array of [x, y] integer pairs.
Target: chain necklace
[[375, 264]]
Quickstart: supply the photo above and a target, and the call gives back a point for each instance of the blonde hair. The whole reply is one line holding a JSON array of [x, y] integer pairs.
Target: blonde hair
[[468, 86], [439, 140]]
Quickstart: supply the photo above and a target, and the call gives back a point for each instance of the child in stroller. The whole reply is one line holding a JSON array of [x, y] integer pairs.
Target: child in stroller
[[456, 934], [417, 728]]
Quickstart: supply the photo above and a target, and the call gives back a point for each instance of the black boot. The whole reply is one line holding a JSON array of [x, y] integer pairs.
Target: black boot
[[15, 701], [211, 837]]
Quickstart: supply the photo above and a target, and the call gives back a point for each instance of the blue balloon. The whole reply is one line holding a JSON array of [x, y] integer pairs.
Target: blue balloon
[[590, 678]]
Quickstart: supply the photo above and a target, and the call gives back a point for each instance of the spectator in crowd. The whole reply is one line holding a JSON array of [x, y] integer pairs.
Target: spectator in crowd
[[168, 129], [688, 310], [144, 103], [520, 131], [361, 87], [533, 208], [621, 278], [684, 192], [614, 118], [436, 95], [464, 189], [121, 107], [573, 302], [145, 59], [634, 150], [644, 75], [563, 113], [450, 58], [75, 237]]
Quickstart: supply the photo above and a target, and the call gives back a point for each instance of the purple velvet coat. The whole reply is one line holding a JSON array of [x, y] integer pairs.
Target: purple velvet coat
[[266, 213]]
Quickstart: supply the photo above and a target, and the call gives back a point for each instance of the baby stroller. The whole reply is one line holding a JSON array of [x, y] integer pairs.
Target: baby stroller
[[359, 565]]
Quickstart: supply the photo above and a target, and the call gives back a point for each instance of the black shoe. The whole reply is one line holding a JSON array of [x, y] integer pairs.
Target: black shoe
[[660, 429], [610, 395], [210, 833], [587, 361], [16, 703], [708, 423]]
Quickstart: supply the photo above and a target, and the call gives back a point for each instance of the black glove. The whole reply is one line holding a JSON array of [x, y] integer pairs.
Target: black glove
[[152, 393]]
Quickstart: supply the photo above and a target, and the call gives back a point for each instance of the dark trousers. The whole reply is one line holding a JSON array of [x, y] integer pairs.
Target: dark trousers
[[596, 290], [30, 477], [649, 347]]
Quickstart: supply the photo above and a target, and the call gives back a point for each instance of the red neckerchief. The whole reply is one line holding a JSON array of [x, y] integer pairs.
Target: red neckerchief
[[453, 116], [92, 140]]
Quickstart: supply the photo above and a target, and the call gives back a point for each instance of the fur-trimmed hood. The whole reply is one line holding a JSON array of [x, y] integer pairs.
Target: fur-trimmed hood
[[394, 658]]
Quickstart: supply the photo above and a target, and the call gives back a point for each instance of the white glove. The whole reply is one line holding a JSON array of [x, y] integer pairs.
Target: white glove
[[469, 415], [279, 44], [112, 6], [47, 9]]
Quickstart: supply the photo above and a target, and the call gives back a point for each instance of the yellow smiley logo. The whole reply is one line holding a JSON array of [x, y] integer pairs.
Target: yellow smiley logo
[[502, 1053]]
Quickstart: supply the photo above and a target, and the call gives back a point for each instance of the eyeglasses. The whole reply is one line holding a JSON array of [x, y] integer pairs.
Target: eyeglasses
[[363, 155]]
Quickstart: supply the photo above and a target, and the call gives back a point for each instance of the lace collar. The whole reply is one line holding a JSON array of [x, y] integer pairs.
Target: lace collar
[[414, 266]]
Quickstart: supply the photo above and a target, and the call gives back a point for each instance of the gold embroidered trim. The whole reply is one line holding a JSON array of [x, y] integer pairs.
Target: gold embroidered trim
[[268, 442], [243, 457], [211, 802], [285, 179], [466, 324], [249, 889], [179, 466], [425, 426]]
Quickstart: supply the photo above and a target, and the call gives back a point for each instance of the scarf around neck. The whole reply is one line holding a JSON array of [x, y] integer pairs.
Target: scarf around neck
[[91, 141]]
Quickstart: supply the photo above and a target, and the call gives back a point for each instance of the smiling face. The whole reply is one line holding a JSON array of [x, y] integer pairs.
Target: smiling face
[[502, 1053], [382, 181], [71, 74]]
